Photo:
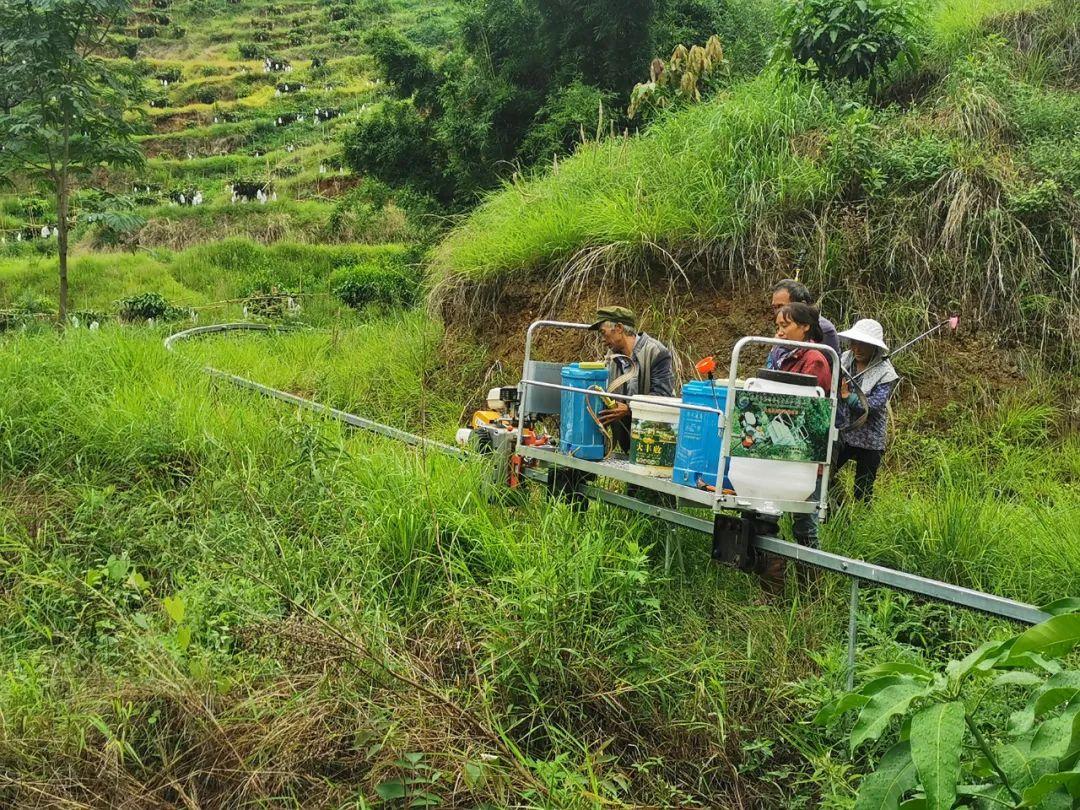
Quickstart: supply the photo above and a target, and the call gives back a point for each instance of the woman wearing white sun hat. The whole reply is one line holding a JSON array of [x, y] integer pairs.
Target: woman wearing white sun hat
[[867, 362]]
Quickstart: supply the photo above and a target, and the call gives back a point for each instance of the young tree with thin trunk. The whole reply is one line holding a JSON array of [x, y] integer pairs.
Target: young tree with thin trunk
[[67, 104]]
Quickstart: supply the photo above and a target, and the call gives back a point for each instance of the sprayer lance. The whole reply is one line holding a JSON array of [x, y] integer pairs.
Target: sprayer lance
[[951, 322]]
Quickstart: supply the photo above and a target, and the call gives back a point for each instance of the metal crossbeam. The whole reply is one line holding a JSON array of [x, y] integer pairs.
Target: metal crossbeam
[[867, 572]]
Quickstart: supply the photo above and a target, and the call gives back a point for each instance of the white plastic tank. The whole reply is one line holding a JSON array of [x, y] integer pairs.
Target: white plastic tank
[[771, 479], [653, 434]]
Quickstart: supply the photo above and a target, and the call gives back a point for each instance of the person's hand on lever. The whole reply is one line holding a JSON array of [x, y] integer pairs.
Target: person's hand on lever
[[620, 410]]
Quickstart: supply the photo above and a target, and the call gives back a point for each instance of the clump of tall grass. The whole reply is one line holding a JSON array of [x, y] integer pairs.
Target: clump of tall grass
[[956, 25], [709, 177], [237, 590], [988, 501], [395, 365]]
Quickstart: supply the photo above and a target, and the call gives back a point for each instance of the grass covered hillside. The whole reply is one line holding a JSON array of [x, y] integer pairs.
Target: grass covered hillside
[[958, 180], [240, 98], [211, 600]]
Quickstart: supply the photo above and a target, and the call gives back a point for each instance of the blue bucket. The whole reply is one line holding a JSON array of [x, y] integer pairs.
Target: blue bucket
[[697, 453], [579, 434]]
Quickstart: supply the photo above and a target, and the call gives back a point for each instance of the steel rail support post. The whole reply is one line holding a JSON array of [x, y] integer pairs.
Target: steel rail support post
[[852, 631]]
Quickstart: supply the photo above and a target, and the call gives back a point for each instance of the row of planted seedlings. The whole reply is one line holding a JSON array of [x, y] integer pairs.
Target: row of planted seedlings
[[381, 282]]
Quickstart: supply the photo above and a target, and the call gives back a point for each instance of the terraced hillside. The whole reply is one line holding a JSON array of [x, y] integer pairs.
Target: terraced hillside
[[246, 105]]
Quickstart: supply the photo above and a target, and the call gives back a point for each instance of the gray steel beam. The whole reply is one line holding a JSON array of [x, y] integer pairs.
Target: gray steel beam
[[856, 569]]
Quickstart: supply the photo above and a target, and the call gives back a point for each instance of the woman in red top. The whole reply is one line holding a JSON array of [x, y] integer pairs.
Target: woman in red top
[[797, 321]]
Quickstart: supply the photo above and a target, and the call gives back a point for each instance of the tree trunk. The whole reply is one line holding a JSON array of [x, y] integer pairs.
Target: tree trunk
[[62, 245]]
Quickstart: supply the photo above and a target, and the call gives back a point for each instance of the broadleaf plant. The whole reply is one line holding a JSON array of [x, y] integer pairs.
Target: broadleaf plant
[[945, 755]]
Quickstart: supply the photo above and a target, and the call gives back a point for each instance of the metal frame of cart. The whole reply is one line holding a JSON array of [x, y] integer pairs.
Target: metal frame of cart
[[617, 468]]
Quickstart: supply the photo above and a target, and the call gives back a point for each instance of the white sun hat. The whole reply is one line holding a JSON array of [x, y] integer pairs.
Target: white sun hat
[[866, 330]]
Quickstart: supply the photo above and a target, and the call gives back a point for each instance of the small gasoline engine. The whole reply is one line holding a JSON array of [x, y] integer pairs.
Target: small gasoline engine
[[495, 427]]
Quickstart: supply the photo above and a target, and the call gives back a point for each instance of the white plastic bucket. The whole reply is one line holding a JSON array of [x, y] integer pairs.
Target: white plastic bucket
[[654, 430]]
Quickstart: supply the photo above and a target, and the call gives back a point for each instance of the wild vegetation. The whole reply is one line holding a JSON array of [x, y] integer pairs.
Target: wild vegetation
[[938, 181], [208, 599]]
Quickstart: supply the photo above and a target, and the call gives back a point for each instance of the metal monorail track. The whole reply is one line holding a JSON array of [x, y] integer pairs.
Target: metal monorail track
[[858, 571]]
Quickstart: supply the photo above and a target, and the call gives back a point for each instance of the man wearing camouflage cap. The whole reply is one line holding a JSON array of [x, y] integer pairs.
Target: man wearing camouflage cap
[[637, 364]]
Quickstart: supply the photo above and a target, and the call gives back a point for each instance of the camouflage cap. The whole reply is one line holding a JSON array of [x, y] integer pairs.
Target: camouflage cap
[[615, 315]]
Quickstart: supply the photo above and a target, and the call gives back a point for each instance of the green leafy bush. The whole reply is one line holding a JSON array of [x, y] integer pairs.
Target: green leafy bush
[[127, 47], [116, 227], [1059, 160], [946, 752], [570, 111], [1034, 201], [392, 143], [87, 317], [276, 303], [375, 282], [359, 209], [269, 295], [913, 162], [848, 39], [403, 65], [1044, 113], [146, 306]]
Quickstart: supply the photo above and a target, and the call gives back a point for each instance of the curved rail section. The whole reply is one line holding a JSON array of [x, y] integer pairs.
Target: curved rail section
[[300, 402], [856, 570]]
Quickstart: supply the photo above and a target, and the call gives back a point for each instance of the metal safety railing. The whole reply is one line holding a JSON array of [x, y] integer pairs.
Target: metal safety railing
[[858, 571], [719, 499]]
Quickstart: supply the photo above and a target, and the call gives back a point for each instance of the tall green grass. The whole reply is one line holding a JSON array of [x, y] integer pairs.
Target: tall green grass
[[396, 366], [133, 481], [708, 174], [988, 502], [954, 24], [318, 569]]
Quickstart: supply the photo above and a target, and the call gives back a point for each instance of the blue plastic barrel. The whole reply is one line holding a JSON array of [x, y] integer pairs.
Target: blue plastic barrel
[[697, 452], [579, 434]]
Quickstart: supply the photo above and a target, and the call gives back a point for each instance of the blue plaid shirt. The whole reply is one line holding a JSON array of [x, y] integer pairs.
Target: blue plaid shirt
[[871, 434]]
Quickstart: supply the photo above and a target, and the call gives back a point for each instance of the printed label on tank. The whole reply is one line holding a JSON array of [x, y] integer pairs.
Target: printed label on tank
[[652, 444], [782, 427]]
